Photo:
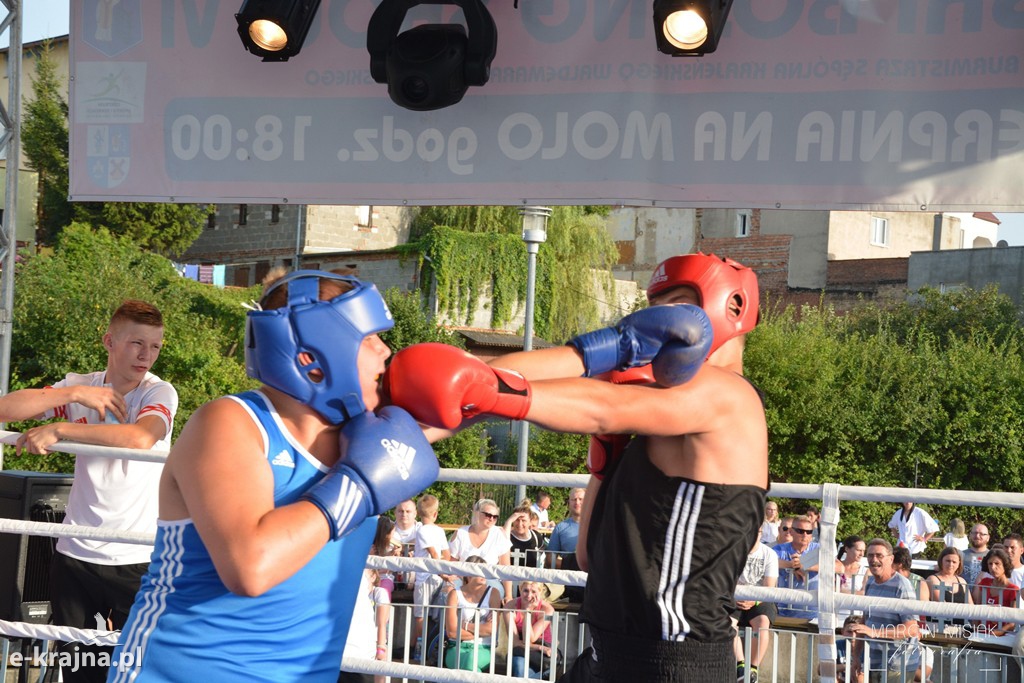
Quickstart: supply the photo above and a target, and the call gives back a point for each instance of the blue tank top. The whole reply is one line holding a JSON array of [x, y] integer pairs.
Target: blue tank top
[[186, 625]]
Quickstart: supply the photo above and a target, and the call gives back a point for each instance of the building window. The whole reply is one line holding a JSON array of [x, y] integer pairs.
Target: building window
[[363, 216], [880, 232], [275, 213], [243, 214], [211, 221], [743, 218]]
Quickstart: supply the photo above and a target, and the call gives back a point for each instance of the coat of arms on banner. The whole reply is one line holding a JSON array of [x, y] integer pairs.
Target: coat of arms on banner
[[109, 154], [112, 26]]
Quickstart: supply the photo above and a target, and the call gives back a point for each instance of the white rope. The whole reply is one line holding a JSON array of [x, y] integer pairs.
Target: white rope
[[487, 571], [897, 495], [10, 438], [23, 629], [865, 603], [56, 530], [514, 478], [860, 493]]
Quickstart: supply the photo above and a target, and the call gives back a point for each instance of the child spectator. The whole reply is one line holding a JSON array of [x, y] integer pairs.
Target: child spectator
[[957, 536], [430, 542]]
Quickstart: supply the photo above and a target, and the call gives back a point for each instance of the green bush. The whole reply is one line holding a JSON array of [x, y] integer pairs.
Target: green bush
[[63, 302]]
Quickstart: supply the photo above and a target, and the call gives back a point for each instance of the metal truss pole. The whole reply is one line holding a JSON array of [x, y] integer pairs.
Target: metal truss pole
[[10, 145]]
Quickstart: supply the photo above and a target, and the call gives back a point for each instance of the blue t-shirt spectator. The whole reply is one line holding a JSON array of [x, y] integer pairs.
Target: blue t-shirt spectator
[[788, 578], [564, 536]]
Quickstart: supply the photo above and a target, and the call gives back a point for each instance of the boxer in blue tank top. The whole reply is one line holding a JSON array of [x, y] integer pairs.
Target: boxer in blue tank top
[[268, 500]]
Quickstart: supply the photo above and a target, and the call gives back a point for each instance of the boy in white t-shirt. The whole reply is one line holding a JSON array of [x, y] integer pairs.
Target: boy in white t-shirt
[[126, 406], [430, 542]]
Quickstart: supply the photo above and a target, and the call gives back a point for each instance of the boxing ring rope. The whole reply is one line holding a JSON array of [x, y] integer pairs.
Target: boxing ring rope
[[10, 438], [825, 598]]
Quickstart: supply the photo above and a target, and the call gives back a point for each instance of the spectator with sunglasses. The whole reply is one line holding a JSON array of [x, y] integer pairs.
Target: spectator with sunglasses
[[798, 566], [485, 538]]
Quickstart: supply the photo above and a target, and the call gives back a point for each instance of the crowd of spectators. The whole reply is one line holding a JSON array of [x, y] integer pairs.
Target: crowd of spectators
[[970, 569], [468, 629]]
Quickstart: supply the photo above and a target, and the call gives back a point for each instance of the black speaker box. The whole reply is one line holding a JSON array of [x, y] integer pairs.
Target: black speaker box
[[25, 560]]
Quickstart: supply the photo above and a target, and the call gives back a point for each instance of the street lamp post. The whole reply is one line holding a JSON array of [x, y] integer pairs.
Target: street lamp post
[[535, 220]]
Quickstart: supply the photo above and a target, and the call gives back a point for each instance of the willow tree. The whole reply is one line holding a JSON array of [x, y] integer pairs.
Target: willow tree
[[475, 251]]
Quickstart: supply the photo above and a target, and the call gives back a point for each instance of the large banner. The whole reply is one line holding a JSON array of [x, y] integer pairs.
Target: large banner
[[837, 104]]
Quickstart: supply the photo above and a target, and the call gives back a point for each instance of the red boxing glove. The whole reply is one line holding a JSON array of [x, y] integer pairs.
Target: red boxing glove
[[606, 449], [643, 374], [440, 385]]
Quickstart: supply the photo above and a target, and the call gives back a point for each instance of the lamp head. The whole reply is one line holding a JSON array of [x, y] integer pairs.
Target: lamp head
[[430, 66], [275, 29], [689, 27]]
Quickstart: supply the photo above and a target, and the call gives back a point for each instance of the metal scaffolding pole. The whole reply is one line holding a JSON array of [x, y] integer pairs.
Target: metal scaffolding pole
[[10, 145]]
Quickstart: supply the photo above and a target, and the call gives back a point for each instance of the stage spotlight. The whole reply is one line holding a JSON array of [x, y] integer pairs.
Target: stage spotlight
[[689, 27], [275, 29], [430, 66]]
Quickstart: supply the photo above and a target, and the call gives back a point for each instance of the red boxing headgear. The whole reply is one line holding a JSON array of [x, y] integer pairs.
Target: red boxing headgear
[[719, 282]]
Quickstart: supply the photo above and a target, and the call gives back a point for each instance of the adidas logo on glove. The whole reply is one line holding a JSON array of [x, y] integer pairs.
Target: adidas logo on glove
[[401, 455]]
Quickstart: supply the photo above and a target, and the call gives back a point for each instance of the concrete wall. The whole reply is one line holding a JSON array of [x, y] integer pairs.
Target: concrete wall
[[228, 240], [975, 232], [648, 236], [808, 262], [974, 268], [360, 228], [850, 235], [383, 268], [271, 235]]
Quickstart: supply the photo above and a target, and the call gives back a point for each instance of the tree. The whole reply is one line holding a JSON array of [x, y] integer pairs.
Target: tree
[[164, 228], [44, 139], [929, 393], [471, 250]]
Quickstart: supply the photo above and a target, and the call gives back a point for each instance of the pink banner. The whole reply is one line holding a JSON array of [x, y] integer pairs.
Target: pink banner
[[884, 104]]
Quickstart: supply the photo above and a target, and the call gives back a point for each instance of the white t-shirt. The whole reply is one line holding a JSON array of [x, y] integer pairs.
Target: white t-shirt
[[112, 493], [428, 536], [761, 562], [920, 523], [1017, 576], [770, 532], [960, 543], [542, 514], [494, 546], [407, 536]]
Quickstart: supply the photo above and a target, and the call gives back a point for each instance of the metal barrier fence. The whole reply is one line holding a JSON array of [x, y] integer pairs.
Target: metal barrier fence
[[792, 655]]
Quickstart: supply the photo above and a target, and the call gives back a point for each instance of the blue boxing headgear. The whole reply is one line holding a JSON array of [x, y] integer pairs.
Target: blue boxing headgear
[[330, 331]]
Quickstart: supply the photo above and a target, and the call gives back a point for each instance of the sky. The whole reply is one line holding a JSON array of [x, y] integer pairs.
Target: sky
[[46, 18]]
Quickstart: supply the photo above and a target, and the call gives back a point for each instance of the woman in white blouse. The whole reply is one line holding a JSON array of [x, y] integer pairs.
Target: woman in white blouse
[[484, 538]]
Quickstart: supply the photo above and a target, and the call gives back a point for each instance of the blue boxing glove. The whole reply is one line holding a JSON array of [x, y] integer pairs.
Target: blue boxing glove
[[682, 332], [384, 460]]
